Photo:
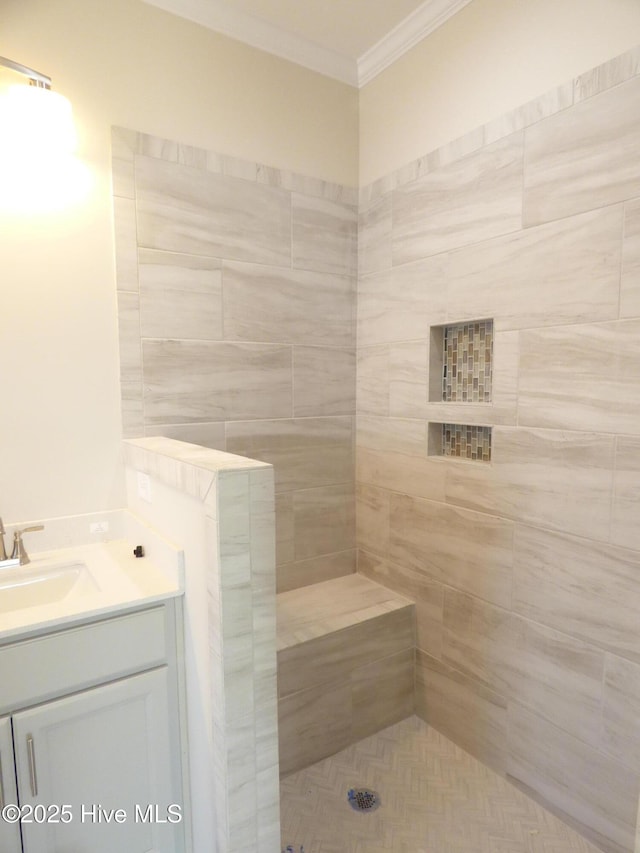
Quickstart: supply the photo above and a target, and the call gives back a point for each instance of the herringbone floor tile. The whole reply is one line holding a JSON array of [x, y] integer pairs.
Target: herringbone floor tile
[[435, 798]]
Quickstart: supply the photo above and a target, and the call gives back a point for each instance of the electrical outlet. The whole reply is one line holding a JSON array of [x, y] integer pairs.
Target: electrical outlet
[[99, 527], [144, 487]]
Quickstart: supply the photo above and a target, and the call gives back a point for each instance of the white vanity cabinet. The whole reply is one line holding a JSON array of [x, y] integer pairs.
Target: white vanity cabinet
[[93, 738]]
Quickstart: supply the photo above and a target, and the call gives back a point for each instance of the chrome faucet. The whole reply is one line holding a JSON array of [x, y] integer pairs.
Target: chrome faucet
[[19, 552]]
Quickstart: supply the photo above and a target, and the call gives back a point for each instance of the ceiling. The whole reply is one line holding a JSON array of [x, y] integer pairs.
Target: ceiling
[[349, 40]]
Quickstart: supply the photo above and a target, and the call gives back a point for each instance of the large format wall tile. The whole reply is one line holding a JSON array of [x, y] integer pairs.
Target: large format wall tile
[[401, 304], [324, 520], [572, 377], [188, 381], [200, 213], [561, 480], [372, 389], [629, 286], [312, 724], [372, 517], [621, 711], [283, 305], [314, 570], [625, 529], [585, 157], [427, 594], [324, 381], [180, 296], [562, 272], [470, 200], [574, 778], [374, 236], [473, 716], [408, 379], [553, 674], [383, 693], [324, 235], [584, 588], [304, 452], [419, 476], [467, 550]]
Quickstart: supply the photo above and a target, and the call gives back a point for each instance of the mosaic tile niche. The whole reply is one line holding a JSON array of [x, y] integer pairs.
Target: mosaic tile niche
[[461, 372], [467, 357]]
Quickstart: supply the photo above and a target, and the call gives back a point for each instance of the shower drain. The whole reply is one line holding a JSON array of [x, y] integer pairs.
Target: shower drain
[[363, 800]]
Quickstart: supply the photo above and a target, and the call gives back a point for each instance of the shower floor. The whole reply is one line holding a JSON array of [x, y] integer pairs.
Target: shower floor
[[435, 798]]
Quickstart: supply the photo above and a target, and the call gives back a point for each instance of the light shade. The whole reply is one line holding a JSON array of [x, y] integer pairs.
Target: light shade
[[36, 122]]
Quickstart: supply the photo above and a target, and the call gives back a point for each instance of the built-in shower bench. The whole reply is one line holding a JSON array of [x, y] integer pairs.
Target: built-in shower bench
[[345, 666]]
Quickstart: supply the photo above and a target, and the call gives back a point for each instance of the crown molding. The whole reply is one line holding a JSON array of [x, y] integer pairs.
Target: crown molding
[[221, 17], [416, 26]]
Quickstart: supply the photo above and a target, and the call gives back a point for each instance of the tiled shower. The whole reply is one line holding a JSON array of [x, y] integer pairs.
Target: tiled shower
[[505, 505]]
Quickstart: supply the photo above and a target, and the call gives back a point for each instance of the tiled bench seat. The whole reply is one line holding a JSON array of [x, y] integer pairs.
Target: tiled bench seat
[[345, 666]]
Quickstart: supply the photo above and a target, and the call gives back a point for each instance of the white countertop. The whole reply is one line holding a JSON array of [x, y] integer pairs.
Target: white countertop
[[87, 581]]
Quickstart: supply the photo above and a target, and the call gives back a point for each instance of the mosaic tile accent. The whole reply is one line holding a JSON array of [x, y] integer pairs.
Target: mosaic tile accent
[[467, 362], [467, 442]]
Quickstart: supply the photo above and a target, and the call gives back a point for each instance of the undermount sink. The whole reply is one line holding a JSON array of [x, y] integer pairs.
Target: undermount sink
[[34, 586]]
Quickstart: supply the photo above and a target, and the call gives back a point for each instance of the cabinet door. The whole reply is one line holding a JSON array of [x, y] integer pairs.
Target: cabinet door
[[106, 754], [9, 832]]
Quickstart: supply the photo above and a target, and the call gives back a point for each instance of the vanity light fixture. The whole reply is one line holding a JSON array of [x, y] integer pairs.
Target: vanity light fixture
[[38, 169]]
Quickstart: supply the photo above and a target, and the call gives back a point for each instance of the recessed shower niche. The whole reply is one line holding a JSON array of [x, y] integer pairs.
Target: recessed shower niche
[[460, 371]]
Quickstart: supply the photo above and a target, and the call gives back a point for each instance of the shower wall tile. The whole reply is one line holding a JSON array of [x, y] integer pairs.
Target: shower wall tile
[[132, 413], [324, 235], [280, 305], [324, 381], [305, 452], [312, 724], [129, 334], [124, 213], [573, 376], [374, 236], [372, 371], [427, 594], [326, 567], [123, 146], [574, 778], [401, 304], [187, 210], [477, 639], [324, 520], [553, 674], [470, 200], [607, 75], [463, 710], [621, 711], [548, 104], [395, 435], [206, 435], [418, 476], [285, 527], [583, 158], [555, 274], [625, 529], [629, 286], [372, 517], [408, 380], [383, 693], [587, 589], [180, 296], [561, 480], [470, 551], [188, 381]]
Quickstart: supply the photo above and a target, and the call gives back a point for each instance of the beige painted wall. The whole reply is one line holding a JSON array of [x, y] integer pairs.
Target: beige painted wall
[[123, 63], [491, 57]]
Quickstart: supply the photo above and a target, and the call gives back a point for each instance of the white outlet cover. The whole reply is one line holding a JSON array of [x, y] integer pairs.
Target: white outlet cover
[[99, 527]]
